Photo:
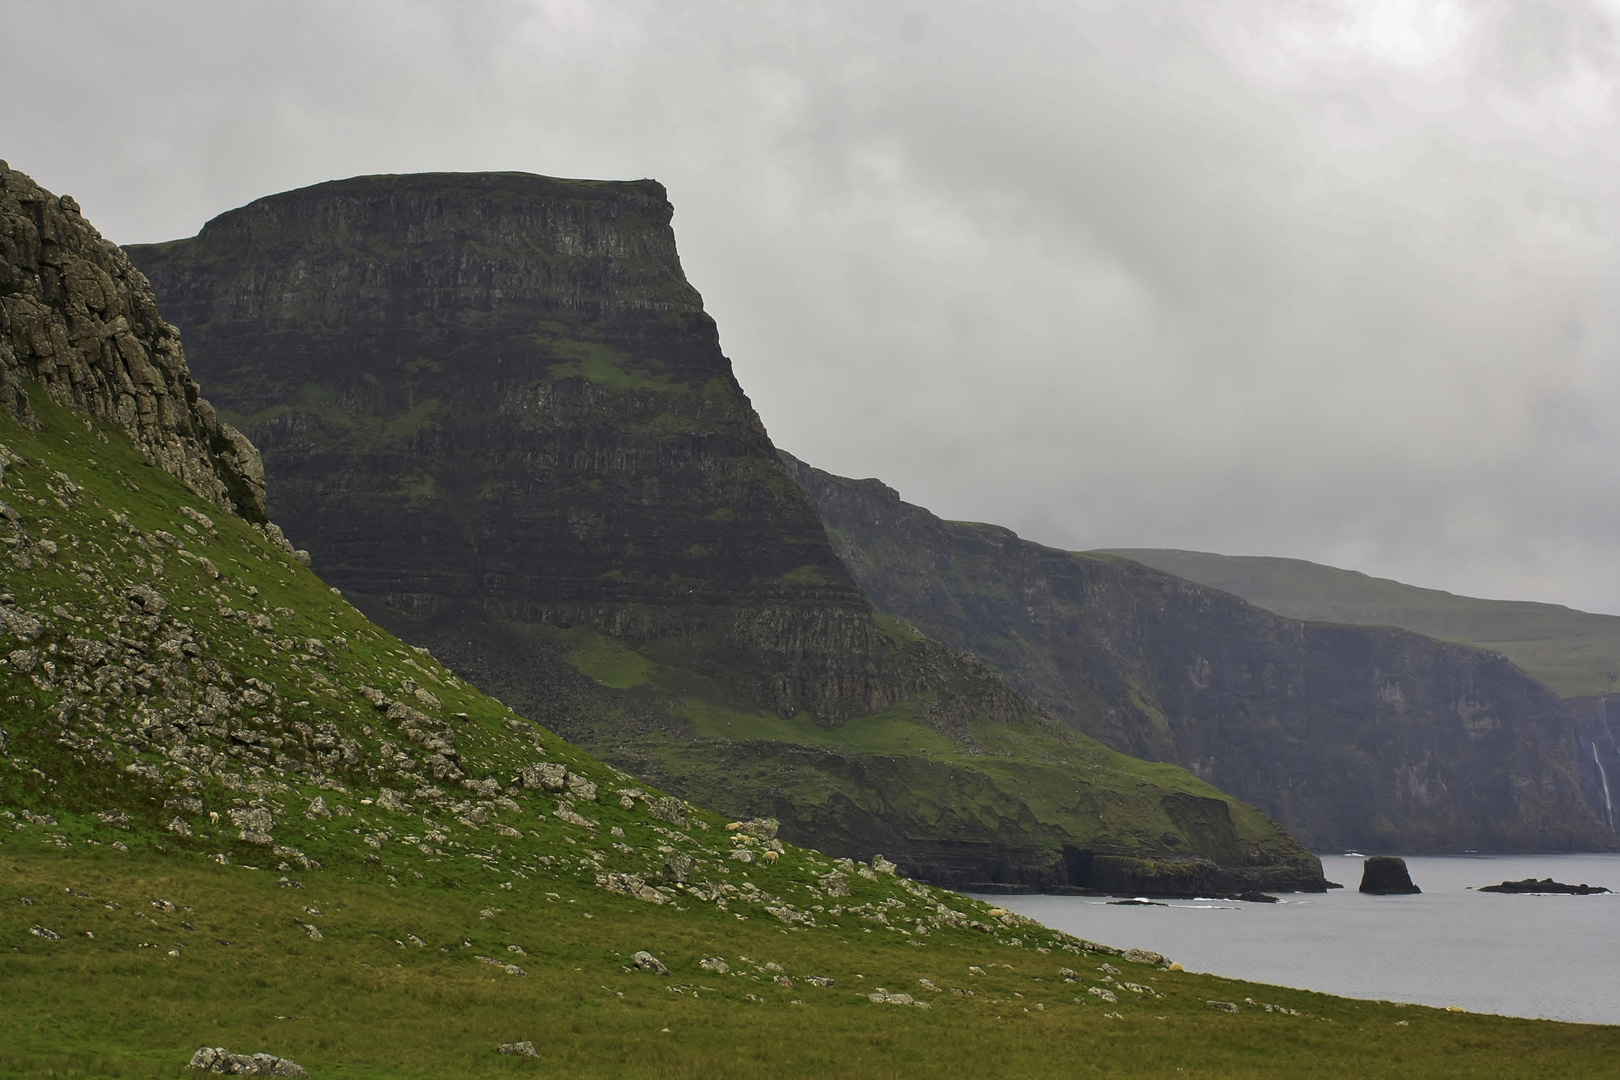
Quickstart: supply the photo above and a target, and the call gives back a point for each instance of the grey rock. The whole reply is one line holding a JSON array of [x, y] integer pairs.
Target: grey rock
[[146, 598], [670, 809], [678, 867], [1223, 1006], [646, 961], [716, 965], [545, 776], [581, 788], [217, 1059], [520, 1049]]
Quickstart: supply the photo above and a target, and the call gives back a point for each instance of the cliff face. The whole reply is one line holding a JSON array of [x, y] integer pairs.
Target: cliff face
[[495, 411], [1348, 736], [497, 394], [79, 319]]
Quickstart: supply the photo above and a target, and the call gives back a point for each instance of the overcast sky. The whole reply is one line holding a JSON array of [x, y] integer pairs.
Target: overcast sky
[[1336, 281]]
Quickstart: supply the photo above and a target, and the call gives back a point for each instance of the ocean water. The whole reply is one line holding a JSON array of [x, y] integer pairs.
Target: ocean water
[[1556, 957]]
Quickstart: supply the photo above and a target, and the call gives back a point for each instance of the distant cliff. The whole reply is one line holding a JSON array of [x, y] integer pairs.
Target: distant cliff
[[1348, 736], [494, 410]]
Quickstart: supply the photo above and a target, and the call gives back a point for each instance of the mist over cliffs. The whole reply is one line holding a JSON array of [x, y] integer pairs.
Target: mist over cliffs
[[1351, 737]]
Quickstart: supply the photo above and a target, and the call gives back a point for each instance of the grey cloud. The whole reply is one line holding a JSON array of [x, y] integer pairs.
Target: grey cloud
[[1334, 281]]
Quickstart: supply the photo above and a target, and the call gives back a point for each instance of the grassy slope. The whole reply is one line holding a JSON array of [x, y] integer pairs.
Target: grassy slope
[[1118, 806], [1575, 653], [233, 963]]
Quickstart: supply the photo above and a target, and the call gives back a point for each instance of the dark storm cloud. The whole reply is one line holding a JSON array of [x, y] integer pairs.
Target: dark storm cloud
[[1335, 281]]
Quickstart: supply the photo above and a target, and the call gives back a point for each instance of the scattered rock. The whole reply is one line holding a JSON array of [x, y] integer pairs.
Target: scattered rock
[[646, 961], [255, 823], [879, 863], [388, 799], [1223, 1006], [45, 932], [217, 1059], [581, 788], [519, 1049], [1143, 956], [716, 965], [116, 818], [1386, 875], [1104, 993], [317, 809]]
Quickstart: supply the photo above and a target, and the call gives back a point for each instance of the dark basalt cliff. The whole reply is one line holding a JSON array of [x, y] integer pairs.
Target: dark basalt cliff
[[79, 319], [1348, 736], [497, 393], [495, 411]]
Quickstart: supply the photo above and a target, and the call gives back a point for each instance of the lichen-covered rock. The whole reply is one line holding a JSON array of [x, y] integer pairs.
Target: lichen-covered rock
[[79, 318], [646, 961], [520, 1049], [217, 1059]]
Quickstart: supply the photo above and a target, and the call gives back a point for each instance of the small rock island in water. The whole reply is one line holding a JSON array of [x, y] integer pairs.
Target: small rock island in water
[[1386, 875], [1545, 885]]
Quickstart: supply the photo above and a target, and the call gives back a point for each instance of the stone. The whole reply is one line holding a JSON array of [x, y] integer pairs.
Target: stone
[[834, 883], [1223, 1006], [519, 1049], [217, 1059], [880, 864], [581, 788], [670, 809], [1386, 875], [646, 961], [678, 867], [146, 598], [388, 799], [544, 776], [631, 885], [716, 965], [186, 804], [255, 823], [317, 809], [1104, 993], [115, 818], [1144, 956]]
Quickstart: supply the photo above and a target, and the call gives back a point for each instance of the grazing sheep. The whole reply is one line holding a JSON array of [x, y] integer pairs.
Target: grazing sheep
[[769, 857]]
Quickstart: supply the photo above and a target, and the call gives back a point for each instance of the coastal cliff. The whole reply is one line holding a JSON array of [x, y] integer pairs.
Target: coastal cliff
[[1348, 736], [494, 410]]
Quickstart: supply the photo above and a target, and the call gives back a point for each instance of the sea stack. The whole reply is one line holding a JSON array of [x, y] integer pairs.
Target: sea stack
[[1386, 875]]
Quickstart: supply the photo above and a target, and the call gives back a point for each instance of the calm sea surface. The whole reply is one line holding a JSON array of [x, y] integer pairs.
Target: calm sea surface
[[1545, 956]]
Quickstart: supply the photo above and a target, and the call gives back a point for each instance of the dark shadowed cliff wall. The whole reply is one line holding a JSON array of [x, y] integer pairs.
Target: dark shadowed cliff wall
[[494, 397]]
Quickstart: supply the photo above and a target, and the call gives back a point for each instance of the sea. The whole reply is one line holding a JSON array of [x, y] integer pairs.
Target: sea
[[1548, 956]]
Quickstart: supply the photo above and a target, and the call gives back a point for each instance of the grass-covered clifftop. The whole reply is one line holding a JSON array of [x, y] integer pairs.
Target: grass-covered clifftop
[[1575, 653]]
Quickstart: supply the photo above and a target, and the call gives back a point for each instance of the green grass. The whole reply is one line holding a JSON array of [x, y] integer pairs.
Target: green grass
[[233, 964], [366, 1001], [1575, 653]]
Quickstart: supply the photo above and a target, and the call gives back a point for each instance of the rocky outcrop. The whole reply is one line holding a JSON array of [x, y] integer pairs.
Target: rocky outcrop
[[497, 414], [1348, 736], [1545, 885], [1386, 875], [77, 319], [496, 394]]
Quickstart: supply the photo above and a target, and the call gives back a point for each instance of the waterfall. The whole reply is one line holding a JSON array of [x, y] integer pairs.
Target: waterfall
[[1608, 803]]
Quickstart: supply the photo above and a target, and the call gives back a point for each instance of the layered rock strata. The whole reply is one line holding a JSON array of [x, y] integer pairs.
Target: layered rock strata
[[76, 317]]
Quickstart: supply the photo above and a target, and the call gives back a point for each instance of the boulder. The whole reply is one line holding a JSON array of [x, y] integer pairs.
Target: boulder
[[217, 1059], [646, 961], [1385, 875], [520, 1049]]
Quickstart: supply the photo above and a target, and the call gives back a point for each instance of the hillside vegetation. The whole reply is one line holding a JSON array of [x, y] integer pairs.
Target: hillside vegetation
[[1575, 653]]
